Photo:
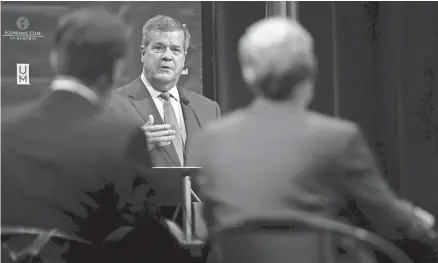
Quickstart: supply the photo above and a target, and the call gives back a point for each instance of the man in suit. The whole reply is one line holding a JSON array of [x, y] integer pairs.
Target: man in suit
[[277, 158], [69, 164], [147, 99], [168, 114]]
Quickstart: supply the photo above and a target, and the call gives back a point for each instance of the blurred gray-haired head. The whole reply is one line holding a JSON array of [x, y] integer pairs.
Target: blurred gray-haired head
[[276, 56]]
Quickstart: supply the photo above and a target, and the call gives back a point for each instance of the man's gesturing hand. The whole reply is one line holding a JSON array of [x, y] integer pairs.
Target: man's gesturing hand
[[161, 135]]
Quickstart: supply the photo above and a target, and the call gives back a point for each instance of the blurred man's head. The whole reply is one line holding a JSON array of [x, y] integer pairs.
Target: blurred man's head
[[90, 45], [277, 60], [163, 51]]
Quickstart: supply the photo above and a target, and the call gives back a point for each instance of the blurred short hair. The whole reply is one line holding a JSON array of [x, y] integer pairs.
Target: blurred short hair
[[276, 54], [90, 42], [163, 23]]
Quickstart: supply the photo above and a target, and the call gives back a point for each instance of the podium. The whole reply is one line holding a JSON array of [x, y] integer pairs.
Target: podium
[[173, 186]]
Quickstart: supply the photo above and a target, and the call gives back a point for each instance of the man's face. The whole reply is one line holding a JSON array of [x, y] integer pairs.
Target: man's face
[[163, 58]]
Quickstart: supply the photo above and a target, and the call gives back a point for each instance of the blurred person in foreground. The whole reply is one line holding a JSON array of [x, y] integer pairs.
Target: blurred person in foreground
[[71, 165], [276, 157]]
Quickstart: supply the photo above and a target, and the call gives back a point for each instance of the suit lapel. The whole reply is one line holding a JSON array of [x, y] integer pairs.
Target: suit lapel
[[147, 107], [143, 103]]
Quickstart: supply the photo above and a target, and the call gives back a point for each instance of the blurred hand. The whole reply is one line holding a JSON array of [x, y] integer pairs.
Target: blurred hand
[[426, 217], [158, 135], [427, 222]]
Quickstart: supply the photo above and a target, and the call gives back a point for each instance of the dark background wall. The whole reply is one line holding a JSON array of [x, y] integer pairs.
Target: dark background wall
[[379, 62], [43, 17]]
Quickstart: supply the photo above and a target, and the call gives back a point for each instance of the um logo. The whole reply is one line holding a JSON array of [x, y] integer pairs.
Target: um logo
[[23, 74]]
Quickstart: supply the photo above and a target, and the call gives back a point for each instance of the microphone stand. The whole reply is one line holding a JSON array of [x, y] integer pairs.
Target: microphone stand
[[185, 237]]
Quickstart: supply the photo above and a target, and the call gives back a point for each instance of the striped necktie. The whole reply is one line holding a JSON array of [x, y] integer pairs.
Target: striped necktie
[[170, 118]]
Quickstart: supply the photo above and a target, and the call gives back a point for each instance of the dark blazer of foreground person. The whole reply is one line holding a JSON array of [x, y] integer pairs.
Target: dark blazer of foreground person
[[66, 165], [310, 163]]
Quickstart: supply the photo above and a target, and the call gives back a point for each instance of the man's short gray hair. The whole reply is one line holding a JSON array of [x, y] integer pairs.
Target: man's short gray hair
[[163, 23], [276, 50]]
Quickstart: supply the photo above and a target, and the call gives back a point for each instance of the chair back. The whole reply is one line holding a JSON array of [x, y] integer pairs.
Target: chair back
[[301, 239], [40, 238]]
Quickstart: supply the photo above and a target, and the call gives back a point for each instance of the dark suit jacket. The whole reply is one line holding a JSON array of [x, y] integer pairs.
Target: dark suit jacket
[[134, 101], [271, 160], [68, 164]]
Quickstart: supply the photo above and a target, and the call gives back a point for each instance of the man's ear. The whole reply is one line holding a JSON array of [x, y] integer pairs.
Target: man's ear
[[104, 84], [248, 75], [142, 52], [54, 60]]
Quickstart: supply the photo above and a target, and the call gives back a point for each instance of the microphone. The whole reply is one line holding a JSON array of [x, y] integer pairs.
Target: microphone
[[186, 102]]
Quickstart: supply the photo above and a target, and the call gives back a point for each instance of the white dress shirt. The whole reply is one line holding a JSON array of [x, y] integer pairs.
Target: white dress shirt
[[174, 100], [73, 85]]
